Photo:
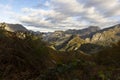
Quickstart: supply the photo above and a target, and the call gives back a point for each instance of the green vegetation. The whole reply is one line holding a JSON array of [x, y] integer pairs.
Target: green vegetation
[[29, 58], [91, 48]]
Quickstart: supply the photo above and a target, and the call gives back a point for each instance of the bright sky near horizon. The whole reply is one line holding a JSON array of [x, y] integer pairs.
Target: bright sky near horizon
[[50, 15]]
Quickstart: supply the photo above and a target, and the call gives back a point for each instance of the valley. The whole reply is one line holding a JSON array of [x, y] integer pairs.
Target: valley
[[59, 55]]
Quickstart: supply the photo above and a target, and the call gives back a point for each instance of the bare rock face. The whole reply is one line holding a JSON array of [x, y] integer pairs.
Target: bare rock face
[[73, 44], [69, 39], [64, 40], [107, 36], [56, 38], [87, 40]]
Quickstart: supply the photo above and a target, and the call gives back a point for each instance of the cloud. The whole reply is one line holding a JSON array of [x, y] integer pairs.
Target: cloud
[[42, 4], [5, 11], [107, 7], [69, 14]]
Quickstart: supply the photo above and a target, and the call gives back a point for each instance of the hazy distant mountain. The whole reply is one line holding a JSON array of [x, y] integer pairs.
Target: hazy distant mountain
[[56, 38], [92, 37], [83, 32], [61, 38]]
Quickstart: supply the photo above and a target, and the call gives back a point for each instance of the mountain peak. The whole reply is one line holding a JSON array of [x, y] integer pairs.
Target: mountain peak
[[13, 27], [94, 27]]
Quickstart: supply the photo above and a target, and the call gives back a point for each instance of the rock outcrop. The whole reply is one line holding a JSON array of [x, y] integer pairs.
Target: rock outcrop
[[107, 36]]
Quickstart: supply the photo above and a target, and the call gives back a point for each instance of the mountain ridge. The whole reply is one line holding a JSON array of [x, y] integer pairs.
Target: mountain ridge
[[13, 27], [32, 59], [93, 35]]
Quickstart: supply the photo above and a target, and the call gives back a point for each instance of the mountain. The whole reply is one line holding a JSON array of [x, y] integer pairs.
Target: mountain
[[100, 40], [106, 36], [73, 43], [13, 27], [94, 38], [62, 40], [32, 59], [83, 32], [56, 38]]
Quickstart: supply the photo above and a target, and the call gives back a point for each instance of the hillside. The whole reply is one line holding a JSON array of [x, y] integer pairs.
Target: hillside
[[107, 36], [13, 27], [59, 35], [73, 43], [70, 39], [21, 58], [29, 58], [92, 38]]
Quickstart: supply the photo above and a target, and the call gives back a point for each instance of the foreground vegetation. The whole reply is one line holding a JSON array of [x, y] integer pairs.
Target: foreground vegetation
[[29, 58]]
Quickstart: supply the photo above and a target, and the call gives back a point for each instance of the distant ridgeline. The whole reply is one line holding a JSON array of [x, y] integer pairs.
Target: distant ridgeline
[[89, 40], [93, 38]]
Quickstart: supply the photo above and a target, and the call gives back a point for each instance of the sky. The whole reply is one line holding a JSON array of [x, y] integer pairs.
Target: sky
[[51, 15]]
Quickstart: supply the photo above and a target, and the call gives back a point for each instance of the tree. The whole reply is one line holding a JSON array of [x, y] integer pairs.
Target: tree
[[3, 25]]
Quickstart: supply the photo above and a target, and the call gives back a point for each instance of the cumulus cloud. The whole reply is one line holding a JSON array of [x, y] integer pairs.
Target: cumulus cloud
[[69, 14]]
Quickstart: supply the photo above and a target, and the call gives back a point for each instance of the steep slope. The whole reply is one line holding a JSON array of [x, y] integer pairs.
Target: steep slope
[[31, 59], [109, 56], [107, 36], [56, 38], [22, 59], [13, 27], [63, 40], [92, 37], [72, 44], [102, 39], [57, 35]]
